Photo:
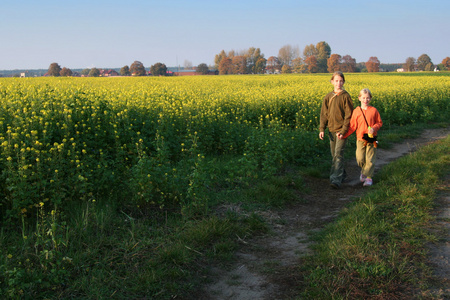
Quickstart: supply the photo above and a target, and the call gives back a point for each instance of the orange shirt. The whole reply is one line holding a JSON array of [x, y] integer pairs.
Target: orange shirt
[[358, 123]]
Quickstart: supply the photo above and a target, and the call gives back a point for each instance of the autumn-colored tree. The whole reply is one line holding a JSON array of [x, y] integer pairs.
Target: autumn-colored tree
[[218, 58], [260, 66], [231, 54], [225, 66], [54, 69], [348, 64], [273, 65], [158, 69], [424, 63], [287, 53], [310, 50], [202, 69], [298, 65], [311, 64], [446, 63], [410, 64], [334, 63], [239, 64], [137, 69], [285, 69], [94, 72], [125, 71], [373, 64], [65, 72]]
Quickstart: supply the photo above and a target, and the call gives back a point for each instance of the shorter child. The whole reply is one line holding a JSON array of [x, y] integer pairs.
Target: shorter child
[[365, 120]]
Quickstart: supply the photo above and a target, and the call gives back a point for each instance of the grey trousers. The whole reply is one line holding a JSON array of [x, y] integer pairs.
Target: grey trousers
[[337, 146]]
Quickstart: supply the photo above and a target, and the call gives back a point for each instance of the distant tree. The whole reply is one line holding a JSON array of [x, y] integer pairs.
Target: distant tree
[[218, 58], [310, 50], [410, 64], [137, 69], [323, 53], [286, 69], [424, 63], [334, 63], [225, 66], [260, 66], [239, 64], [446, 63], [85, 72], [311, 64], [287, 53], [298, 65], [158, 69], [54, 69], [65, 72], [373, 64], [94, 72], [202, 69], [348, 64], [252, 56], [187, 65], [273, 65], [125, 71]]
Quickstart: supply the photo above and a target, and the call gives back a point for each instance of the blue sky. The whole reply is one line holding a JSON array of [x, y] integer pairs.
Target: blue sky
[[112, 34]]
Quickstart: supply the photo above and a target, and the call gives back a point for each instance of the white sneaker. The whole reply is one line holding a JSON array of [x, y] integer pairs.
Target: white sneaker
[[368, 182], [362, 177]]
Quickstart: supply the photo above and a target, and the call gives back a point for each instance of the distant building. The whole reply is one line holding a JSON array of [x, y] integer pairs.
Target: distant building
[[193, 72], [108, 73], [400, 70]]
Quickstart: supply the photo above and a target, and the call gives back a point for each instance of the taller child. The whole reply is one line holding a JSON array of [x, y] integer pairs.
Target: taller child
[[336, 112]]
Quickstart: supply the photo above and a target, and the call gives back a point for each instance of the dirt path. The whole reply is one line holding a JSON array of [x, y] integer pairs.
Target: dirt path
[[265, 267]]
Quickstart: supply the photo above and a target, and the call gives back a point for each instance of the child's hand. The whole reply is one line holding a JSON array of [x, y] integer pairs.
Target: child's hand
[[339, 135], [370, 131], [321, 135]]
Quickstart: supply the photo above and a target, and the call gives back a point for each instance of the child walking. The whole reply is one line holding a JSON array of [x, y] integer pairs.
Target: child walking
[[366, 121], [336, 112]]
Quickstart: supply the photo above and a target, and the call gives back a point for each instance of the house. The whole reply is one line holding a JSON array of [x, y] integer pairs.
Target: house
[[108, 73]]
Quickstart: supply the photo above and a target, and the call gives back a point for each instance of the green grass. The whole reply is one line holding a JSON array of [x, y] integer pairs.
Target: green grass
[[377, 248]]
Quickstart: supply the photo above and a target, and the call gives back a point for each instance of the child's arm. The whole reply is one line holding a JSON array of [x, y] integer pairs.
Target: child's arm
[[352, 127], [377, 122]]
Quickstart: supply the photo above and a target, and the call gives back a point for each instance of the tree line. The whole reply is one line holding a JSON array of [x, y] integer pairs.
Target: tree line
[[314, 59]]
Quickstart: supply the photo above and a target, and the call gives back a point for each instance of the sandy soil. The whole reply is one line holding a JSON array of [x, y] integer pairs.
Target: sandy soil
[[265, 267]]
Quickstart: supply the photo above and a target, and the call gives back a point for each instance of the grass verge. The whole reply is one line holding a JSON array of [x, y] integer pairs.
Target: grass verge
[[377, 247]]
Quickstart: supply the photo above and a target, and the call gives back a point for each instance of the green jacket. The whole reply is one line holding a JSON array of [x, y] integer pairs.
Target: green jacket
[[336, 112]]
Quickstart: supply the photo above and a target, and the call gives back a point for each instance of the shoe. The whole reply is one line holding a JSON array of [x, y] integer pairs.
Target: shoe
[[368, 182], [335, 185], [362, 177]]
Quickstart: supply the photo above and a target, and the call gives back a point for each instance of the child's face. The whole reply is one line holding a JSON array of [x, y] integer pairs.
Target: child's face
[[337, 82], [365, 99]]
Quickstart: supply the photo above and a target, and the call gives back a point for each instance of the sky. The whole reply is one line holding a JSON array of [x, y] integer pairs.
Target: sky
[[80, 34]]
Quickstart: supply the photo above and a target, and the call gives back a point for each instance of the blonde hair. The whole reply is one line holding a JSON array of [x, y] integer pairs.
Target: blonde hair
[[365, 91]]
